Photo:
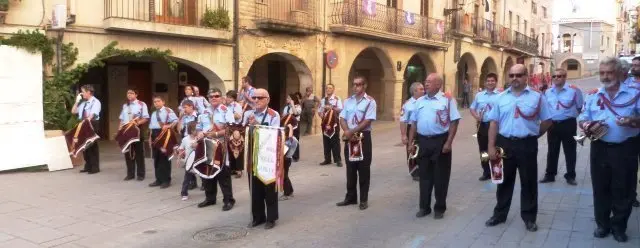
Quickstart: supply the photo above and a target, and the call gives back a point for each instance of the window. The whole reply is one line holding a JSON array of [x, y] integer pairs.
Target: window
[[544, 12], [608, 44], [424, 8], [510, 18], [518, 23], [525, 27], [392, 3], [572, 65], [534, 8]]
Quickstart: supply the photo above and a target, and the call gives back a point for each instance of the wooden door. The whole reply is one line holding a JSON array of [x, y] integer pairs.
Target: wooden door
[[139, 78]]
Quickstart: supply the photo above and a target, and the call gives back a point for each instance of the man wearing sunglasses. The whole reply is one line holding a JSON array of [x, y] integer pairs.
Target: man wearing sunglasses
[[212, 123], [519, 116], [262, 195], [565, 103]]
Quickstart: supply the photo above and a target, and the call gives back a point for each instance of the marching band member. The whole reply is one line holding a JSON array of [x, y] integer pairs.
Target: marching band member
[[262, 194], [198, 103], [417, 91], [137, 112], [355, 120], [188, 115], [247, 92], [293, 108], [634, 81], [211, 123], [480, 106], [235, 107], [291, 142], [330, 139], [186, 147], [435, 119], [162, 119], [565, 103], [518, 117], [613, 170], [88, 107], [200, 100]]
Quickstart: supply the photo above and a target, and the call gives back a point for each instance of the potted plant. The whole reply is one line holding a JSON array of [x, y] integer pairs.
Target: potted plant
[[4, 5]]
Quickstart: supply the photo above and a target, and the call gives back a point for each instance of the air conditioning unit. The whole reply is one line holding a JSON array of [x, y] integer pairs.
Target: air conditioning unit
[[183, 78], [59, 17]]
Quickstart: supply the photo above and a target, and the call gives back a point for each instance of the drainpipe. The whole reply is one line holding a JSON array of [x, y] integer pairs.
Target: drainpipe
[[236, 45]]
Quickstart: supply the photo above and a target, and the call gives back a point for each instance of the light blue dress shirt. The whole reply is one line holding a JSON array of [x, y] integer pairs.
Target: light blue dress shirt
[[272, 119], [356, 111], [296, 110], [564, 103], [199, 104], [593, 111], [251, 92], [236, 108], [186, 119], [166, 116], [132, 110], [483, 103], [407, 108], [333, 100], [433, 115], [220, 116], [88, 107], [515, 125]]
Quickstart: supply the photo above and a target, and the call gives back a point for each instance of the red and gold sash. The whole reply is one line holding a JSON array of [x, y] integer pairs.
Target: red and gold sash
[[329, 122], [531, 117], [603, 102]]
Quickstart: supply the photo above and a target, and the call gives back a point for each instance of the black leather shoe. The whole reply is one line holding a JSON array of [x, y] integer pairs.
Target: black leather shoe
[[128, 178], [494, 221], [227, 206], [423, 213], [438, 215], [572, 182], [601, 232], [484, 178], [620, 237], [93, 172], [339, 164], [325, 163], [635, 203], [206, 203], [140, 178], [269, 224], [84, 170], [531, 226], [547, 180], [364, 205], [345, 203], [155, 184], [165, 185], [255, 224]]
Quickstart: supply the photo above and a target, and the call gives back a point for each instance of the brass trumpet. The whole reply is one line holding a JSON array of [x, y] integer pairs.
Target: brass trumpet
[[415, 151], [484, 156], [592, 135], [356, 137]]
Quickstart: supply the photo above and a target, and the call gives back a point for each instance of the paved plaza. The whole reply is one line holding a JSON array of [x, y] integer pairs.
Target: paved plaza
[[69, 209]]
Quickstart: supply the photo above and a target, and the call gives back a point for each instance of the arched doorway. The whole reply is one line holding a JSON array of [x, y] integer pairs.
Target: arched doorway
[[376, 67], [417, 69], [467, 69], [280, 74], [505, 75], [573, 67], [488, 66], [150, 76]]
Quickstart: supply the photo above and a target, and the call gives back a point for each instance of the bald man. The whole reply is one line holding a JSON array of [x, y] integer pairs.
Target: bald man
[[262, 194], [519, 116], [435, 120]]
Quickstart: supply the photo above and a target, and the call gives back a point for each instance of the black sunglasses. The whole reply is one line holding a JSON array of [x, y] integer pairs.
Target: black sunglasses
[[214, 96], [558, 76], [258, 97], [518, 75]]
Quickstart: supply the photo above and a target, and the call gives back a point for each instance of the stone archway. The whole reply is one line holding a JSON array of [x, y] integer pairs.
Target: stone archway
[[488, 66], [376, 67], [505, 74], [281, 74], [573, 67], [417, 69], [467, 69]]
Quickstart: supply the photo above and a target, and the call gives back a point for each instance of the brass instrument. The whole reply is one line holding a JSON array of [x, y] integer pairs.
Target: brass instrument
[[411, 160], [592, 135], [484, 156]]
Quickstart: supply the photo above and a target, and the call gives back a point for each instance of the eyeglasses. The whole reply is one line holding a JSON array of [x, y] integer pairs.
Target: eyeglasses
[[358, 84], [258, 97], [214, 96], [517, 75], [558, 76]]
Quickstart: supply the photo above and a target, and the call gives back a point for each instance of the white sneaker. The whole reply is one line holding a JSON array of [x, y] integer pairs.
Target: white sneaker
[[184, 198]]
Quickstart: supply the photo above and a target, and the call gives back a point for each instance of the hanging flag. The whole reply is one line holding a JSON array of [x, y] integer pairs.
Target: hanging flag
[[369, 7], [409, 18]]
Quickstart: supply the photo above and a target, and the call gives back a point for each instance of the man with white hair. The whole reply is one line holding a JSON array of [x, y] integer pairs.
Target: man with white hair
[[417, 91], [613, 170]]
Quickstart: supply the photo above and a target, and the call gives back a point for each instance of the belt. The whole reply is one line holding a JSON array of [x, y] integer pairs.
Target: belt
[[433, 136], [561, 121], [485, 122], [626, 142], [519, 138]]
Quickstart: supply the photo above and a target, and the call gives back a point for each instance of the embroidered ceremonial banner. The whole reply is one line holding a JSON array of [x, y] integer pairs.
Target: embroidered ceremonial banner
[[266, 151]]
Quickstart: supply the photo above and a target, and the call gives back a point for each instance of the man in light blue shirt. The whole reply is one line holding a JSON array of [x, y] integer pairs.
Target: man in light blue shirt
[[137, 112], [88, 107], [614, 156], [247, 92], [355, 119], [331, 134], [518, 117], [162, 119], [479, 109], [417, 91], [435, 121], [189, 115], [565, 103]]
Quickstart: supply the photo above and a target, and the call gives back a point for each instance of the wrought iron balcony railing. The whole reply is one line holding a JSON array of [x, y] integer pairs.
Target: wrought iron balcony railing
[[199, 13], [379, 17], [502, 36], [525, 43], [286, 14], [462, 23], [483, 29]]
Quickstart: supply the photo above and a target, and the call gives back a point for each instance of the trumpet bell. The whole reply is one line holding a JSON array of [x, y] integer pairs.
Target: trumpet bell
[[580, 139], [484, 156]]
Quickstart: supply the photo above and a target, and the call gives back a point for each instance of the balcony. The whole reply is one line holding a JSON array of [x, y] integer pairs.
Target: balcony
[[294, 16], [462, 24], [377, 21], [524, 44], [198, 19], [502, 37], [483, 30]]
